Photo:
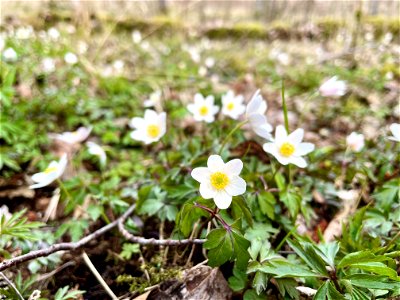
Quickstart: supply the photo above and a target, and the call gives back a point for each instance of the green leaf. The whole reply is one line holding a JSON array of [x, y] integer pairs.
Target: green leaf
[[240, 246], [288, 286], [292, 201], [328, 252], [238, 281], [95, 211], [322, 292], [222, 253], [370, 281], [308, 253], [186, 218], [360, 257], [215, 238], [281, 268], [258, 237], [239, 205], [260, 282], [376, 267], [333, 293], [267, 201], [150, 207]]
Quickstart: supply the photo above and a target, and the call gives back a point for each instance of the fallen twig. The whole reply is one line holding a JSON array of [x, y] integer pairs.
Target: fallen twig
[[63, 246], [144, 241]]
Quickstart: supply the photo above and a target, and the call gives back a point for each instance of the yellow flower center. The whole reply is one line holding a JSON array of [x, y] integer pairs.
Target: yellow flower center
[[219, 180], [153, 131], [286, 149], [50, 170], [230, 106], [203, 111]]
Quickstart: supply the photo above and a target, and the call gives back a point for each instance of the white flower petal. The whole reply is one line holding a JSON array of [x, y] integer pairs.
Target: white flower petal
[[62, 165], [280, 134], [215, 163], [233, 167], [198, 99], [206, 191], [303, 149], [137, 123], [298, 161], [263, 131], [39, 177], [201, 174], [296, 136], [256, 120], [150, 115], [222, 200], [395, 129], [236, 186], [138, 135]]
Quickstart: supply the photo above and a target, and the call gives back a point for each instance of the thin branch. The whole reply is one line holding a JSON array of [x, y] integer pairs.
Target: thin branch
[[12, 285], [63, 246], [144, 241]]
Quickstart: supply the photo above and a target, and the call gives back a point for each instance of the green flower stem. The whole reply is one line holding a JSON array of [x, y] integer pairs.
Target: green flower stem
[[62, 186], [237, 127]]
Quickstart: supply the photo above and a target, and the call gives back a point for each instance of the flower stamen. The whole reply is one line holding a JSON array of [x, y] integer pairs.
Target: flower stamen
[[153, 131], [219, 180], [286, 149], [203, 111]]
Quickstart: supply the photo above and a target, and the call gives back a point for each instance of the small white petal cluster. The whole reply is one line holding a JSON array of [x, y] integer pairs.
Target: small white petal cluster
[[48, 65], [52, 172], [10, 55], [70, 58], [24, 33], [5, 213], [289, 149], [349, 196], [333, 88], [136, 37], [97, 150], [232, 106], [255, 114], [395, 129], [220, 181], [74, 137], [149, 129], [154, 98], [53, 33], [306, 290], [203, 109], [355, 142]]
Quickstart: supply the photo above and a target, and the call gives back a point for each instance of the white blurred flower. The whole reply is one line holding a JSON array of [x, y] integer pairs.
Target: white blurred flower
[[209, 62], [97, 150], [82, 47], [48, 65], [24, 33], [53, 33], [74, 137], [154, 98], [232, 105], [220, 181], [10, 55], [203, 109], [2, 42], [255, 114], [395, 129], [149, 129], [136, 36], [70, 58], [355, 141], [145, 45], [289, 149], [118, 65], [283, 58], [349, 196], [306, 290], [4, 212], [52, 172], [202, 71], [333, 87]]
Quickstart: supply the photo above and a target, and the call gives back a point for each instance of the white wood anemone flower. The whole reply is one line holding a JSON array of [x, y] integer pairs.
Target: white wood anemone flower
[[395, 129], [153, 100], [73, 137], [149, 129], [289, 149], [52, 172], [355, 141], [232, 106], [333, 88], [70, 58], [98, 151], [255, 115], [220, 180], [203, 109]]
